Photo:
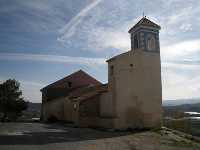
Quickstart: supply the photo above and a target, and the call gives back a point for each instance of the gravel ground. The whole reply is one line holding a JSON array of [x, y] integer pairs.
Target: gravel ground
[[37, 136]]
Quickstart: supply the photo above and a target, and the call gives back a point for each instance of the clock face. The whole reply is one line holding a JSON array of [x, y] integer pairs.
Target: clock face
[[151, 43]]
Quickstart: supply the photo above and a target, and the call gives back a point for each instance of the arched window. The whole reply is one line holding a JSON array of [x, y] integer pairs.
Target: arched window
[[151, 43], [136, 44]]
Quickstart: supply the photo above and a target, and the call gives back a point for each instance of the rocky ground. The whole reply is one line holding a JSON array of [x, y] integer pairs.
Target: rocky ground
[[37, 136]]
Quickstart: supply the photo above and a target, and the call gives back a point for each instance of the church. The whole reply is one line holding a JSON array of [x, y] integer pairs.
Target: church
[[132, 98]]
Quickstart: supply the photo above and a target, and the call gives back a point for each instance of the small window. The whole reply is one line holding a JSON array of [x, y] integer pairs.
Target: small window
[[111, 70], [69, 84], [75, 106]]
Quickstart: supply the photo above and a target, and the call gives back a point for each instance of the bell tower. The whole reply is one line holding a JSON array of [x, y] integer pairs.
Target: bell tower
[[145, 36], [134, 80]]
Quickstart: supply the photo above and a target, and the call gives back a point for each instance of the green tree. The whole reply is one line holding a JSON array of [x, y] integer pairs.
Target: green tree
[[11, 100]]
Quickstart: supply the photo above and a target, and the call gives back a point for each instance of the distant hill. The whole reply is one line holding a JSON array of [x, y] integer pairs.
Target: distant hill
[[180, 102], [33, 111], [181, 108], [176, 118], [192, 105], [34, 106]]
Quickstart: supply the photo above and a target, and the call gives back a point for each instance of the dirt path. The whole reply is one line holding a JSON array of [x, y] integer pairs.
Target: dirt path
[[37, 136]]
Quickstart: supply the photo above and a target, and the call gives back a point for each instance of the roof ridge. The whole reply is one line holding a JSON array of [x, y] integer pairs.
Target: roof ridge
[[70, 75], [145, 22]]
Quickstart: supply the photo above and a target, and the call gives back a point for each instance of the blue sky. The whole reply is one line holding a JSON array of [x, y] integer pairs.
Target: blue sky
[[43, 41]]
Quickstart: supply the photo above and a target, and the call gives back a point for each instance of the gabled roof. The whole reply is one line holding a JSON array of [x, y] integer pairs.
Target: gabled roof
[[145, 22], [77, 79], [117, 56], [86, 93]]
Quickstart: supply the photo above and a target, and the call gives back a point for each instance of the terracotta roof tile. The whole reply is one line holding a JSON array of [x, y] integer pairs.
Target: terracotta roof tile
[[89, 92], [76, 79], [145, 22]]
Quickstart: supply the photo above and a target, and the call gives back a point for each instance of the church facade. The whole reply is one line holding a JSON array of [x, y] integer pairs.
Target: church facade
[[131, 99]]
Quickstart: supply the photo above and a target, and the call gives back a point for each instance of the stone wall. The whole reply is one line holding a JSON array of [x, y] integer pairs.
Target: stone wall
[[53, 109], [136, 87], [106, 105]]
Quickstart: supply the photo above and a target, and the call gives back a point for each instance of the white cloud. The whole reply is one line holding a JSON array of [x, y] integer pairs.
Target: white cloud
[[53, 58], [69, 29], [180, 50], [180, 70], [171, 2], [186, 27], [105, 27], [102, 39], [178, 66], [31, 90], [178, 17], [177, 85], [37, 5], [181, 16]]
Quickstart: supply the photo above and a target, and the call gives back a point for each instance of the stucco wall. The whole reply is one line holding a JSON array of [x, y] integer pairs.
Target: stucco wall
[[89, 112], [106, 105], [54, 108], [68, 111], [89, 107], [136, 86]]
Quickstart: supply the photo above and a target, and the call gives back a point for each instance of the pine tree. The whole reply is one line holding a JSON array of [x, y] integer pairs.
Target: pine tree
[[11, 100]]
